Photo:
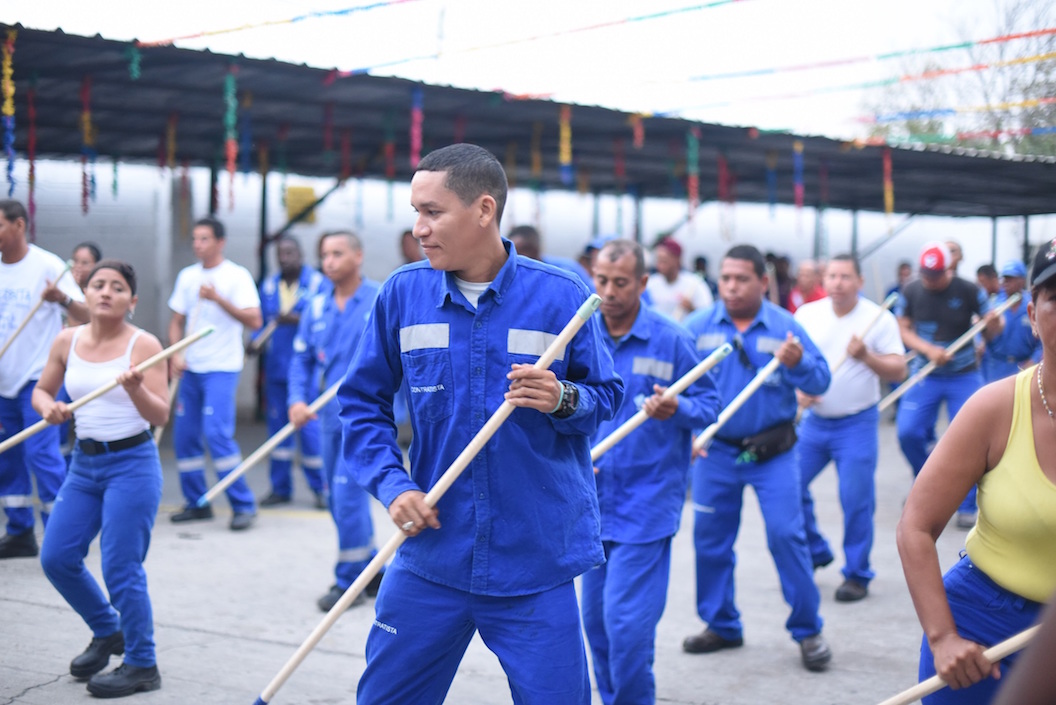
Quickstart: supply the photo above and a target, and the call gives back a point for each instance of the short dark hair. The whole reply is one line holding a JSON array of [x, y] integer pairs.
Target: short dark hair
[[214, 224], [92, 248], [748, 253], [351, 237], [615, 249], [987, 270], [121, 267], [471, 171], [13, 210], [528, 232], [845, 257]]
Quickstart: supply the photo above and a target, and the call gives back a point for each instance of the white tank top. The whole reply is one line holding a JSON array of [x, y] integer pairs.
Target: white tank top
[[112, 416]]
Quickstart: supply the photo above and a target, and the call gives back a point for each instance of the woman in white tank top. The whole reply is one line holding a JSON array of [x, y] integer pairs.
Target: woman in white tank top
[[114, 481]]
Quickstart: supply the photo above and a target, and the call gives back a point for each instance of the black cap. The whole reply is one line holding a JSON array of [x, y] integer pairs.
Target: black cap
[[1044, 267]]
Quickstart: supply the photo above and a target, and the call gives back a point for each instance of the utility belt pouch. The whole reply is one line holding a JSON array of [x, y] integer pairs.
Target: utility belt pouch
[[767, 444]]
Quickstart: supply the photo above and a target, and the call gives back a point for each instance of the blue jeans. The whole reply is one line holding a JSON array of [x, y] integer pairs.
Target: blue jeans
[[421, 630], [718, 494], [919, 411], [852, 442], [349, 506], [282, 456], [118, 493], [985, 613], [623, 600], [206, 406], [39, 453]]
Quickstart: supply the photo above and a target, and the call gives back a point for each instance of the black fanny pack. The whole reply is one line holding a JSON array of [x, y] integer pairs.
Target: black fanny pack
[[767, 444]]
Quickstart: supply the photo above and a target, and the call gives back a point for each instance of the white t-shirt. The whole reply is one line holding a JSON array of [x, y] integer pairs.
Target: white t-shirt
[[221, 350], [21, 284], [854, 386], [666, 296]]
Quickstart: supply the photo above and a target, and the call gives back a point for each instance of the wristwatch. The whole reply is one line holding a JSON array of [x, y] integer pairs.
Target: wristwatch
[[67, 302], [569, 401]]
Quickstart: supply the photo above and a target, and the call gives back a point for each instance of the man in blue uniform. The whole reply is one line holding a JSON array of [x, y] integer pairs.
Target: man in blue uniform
[[522, 521], [641, 480], [754, 448], [934, 311], [283, 296], [1014, 347], [330, 328]]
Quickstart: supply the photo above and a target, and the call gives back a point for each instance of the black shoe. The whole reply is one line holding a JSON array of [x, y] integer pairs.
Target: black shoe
[[190, 513], [327, 601], [22, 545], [241, 521], [320, 501], [708, 641], [124, 680], [273, 500], [96, 657], [371, 590], [816, 653], [851, 591]]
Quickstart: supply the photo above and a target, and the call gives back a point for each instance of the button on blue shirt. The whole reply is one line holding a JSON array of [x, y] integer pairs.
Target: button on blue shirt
[[523, 516], [326, 339], [280, 346], [775, 401], [642, 479]]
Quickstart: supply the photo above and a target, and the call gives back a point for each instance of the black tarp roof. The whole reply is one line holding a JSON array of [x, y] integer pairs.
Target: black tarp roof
[[130, 118]]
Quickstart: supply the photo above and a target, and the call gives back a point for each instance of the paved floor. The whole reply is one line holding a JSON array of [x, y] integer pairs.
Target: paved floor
[[230, 609]]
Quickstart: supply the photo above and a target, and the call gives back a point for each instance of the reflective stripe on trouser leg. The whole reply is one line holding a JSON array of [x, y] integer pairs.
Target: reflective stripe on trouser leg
[[218, 414], [350, 507]]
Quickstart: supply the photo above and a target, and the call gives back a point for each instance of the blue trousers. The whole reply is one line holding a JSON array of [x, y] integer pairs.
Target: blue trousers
[[38, 454], [118, 493], [282, 457], [206, 408], [622, 602], [985, 613], [718, 494], [919, 410], [852, 442], [349, 506], [421, 630]]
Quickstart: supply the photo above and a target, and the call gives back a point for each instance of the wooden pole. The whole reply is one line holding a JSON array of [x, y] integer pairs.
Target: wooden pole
[[32, 312], [174, 385], [886, 306], [738, 401]]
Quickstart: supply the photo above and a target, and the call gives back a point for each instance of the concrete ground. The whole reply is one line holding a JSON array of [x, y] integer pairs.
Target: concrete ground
[[230, 609]]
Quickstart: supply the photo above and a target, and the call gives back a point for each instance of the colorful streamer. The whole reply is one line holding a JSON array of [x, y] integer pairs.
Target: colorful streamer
[[908, 115], [564, 150], [693, 169], [797, 172], [537, 151], [170, 140], [245, 134], [889, 187], [231, 131], [87, 145], [637, 130], [416, 127], [723, 168], [31, 154], [7, 88], [134, 62]]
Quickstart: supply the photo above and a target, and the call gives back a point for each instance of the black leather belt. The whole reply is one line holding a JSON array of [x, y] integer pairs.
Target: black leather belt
[[90, 447]]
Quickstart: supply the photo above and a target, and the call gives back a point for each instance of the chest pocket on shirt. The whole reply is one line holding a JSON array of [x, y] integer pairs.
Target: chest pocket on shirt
[[430, 382], [525, 347]]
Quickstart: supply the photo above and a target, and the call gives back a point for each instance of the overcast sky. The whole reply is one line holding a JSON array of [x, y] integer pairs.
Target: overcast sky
[[641, 66]]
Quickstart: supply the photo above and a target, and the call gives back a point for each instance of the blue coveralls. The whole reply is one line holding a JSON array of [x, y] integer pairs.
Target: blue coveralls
[[39, 452], [277, 354], [719, 478], [326, 339], [1016, 344], [521, 521], [954, 382], [641, 490]]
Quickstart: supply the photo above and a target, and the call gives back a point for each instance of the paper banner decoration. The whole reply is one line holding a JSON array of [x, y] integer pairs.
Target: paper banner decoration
[[170, 140], [231, 131], [797, 172], [511, 164], [564, 148], [245, 133], [416, 127], [693, 169], [637, 130], [889, 187], [7, 88], [87, 145], [724, 179], [134, 61], [771, 180], [31, 153], [537, 151]]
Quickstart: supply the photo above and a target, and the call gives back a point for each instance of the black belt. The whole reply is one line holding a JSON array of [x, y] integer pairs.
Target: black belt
[[90, 447]]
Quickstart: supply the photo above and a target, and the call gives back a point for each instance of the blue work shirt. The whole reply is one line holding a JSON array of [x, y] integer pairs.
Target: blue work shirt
[[523, 516], [775, 401], [570, 265], [1016, 342], [322, 350], [642, 479], [279, 347]]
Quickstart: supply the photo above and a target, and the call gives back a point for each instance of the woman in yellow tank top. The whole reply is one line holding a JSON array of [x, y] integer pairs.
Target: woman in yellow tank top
[[1004, 441]]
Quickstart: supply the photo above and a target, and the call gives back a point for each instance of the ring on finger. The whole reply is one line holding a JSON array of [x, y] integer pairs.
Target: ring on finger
[[408, 526]]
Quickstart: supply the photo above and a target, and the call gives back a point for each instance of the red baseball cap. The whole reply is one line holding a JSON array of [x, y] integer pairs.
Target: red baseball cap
[[935, 258]]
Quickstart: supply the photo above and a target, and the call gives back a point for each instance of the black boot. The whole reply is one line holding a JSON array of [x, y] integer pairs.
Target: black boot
[[124, 680], [22, 545], [96, 657]]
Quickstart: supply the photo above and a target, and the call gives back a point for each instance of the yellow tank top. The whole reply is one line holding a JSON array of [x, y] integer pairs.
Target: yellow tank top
[[1014, 541]]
